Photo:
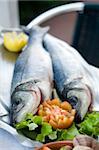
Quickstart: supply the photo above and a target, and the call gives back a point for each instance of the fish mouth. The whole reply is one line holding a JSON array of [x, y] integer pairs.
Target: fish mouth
[[26, 104], [76, 105], [14, 112]]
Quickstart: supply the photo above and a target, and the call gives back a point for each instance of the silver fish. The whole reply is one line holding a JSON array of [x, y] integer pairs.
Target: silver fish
[[33, 77], [76, 81]]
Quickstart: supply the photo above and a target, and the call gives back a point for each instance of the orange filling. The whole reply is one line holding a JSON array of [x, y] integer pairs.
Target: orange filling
[[57, 114]]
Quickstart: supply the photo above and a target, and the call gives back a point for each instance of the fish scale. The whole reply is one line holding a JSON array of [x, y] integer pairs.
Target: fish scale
[[74, 77], [33, 77]]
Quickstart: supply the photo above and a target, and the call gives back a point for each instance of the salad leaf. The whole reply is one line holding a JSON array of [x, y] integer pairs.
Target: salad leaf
[[53, 135], [28, 120], [37, 120], [46, 129], [21, 125], [32, 126], [40, 137], [90, 125], [69, 134], [35, 128], [29, 116], [30, 134]]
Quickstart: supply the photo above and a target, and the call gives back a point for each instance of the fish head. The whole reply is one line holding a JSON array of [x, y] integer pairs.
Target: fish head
[[79, 96], [24, 101]]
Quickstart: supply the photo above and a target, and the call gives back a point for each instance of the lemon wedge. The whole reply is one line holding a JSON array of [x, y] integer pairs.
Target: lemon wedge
[[14, 42]]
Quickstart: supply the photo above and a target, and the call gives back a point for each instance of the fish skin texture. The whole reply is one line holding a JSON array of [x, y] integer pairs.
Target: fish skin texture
[[33, 77], [76, 81]]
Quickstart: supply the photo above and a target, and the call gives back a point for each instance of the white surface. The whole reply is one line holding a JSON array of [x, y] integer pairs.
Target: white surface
[[24, 141], [9, 14], [8, 142], [7, 61]]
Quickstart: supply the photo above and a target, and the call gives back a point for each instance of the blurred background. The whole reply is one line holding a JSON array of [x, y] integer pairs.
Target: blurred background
[[14, 13]]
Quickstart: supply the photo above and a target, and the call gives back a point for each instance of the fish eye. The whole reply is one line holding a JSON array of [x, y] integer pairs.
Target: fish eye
[[17, 102], [18, 105]]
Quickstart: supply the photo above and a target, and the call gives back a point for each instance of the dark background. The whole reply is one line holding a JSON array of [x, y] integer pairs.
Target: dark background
[[63, 26], [28, 10]]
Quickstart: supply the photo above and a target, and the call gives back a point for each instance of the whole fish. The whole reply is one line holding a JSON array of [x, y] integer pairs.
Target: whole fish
[[76, 81], [33, 77]]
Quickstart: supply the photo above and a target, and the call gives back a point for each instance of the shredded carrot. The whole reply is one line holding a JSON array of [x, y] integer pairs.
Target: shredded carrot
[[58, 114]]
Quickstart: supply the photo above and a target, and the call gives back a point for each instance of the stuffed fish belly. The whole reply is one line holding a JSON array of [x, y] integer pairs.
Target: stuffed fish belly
[[33, 77], [70, 75]]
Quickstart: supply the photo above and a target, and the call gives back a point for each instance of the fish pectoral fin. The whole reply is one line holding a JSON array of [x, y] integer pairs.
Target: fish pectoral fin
[[45, 89]]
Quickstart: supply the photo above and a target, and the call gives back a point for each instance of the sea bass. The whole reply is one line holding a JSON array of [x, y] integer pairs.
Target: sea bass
[[33, 77], [76, 81]]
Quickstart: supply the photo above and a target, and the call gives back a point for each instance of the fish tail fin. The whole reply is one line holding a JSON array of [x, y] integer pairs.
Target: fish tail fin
[[36, 31], [40, 30]]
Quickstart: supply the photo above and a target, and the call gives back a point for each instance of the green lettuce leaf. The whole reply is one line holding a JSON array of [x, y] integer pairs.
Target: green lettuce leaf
[[35, 128], [32, 126], [90, 125], [46, 129], [53, 135], [69, 134], [37, 120], [40, 137], [21, 125]]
